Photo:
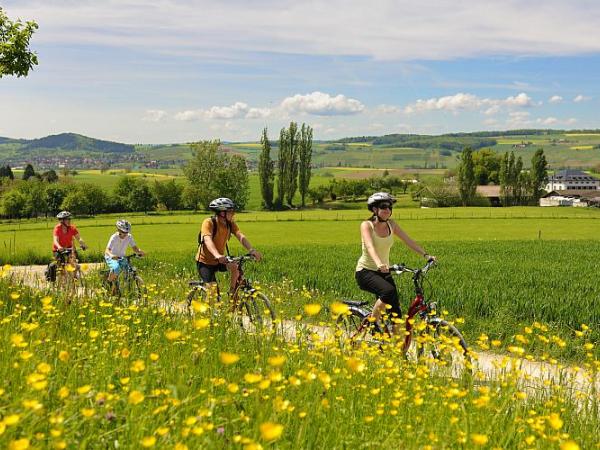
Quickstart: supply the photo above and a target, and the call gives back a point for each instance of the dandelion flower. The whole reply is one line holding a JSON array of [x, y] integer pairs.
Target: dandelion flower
[[229, 358], [172, 335], [148, 441], [63, 355], [252, 378], [312, 309], [12, 419], [200, 324], [276, 361], [19, 444], [355, 364], [270, 431], [138, 366], [94, 334], [479, 439], [569, 445], [337, 309], [136, 397], [153, 356], [555, 421]]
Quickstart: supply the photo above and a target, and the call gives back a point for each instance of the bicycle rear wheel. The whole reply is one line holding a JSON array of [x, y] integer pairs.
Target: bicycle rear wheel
[[353, 328], [444, 345], [132, 287]]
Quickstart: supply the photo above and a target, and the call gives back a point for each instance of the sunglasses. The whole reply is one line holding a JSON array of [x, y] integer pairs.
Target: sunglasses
[[385, 206]]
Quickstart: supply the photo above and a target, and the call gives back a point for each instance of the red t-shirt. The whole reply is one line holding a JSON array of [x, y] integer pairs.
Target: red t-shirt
[[65, 239]]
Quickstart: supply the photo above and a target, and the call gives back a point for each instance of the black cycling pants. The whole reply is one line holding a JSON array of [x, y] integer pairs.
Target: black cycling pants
[[207, 273], [382, 285]]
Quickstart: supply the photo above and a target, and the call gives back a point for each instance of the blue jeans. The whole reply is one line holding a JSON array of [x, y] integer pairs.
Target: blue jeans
[[115, 265]]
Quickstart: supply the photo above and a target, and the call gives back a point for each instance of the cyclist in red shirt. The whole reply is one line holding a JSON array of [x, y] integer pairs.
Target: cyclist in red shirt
[[64, 233]]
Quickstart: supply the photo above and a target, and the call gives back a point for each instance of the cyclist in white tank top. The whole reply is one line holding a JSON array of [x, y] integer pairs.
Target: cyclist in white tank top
[[372, 270]]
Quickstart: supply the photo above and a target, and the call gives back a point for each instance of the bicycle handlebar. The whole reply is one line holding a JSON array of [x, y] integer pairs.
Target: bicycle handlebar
[[237, 259], [399, 269]]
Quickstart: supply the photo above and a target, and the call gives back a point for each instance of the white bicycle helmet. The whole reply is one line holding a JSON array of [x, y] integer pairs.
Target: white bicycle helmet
[[124, 226], [379, 197], [63, 215], [221, 204]]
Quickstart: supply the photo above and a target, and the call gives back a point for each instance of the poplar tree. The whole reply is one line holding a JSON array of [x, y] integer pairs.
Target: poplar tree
[[466, 177], [266, 172], [305, 156], [282, 164], [539, 174], [292, 167]]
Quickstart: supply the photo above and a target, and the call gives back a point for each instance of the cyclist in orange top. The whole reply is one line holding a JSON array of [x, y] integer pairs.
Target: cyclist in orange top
[[64, 233], [214, 234]]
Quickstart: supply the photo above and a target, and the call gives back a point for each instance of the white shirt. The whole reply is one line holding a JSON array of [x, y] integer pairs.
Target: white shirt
[[118, 246]]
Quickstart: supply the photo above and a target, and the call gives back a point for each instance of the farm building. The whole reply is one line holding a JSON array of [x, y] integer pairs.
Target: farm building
[[492, 193], [568, 179], [572, 197]]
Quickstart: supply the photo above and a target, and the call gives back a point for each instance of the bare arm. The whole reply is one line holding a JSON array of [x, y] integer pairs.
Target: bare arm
[[137, 250], [80, 240], [408, 241], [367, 237], [247, 245], [56, 243]]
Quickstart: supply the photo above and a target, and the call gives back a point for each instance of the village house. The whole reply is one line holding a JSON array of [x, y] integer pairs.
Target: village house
[[568, 180]]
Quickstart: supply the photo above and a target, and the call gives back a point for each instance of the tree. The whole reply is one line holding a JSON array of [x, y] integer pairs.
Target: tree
[[233, 182], [6, 172], [141, 198], [35, 194], [266, 173], [50, 176], [292, 172], [28, 172], [55, 194], [13, 204], [539, 174], [15, 56], [282, 166], [168, 194], [305, 156], [214, 174], [467, 185], [85, 198], [486, 164]]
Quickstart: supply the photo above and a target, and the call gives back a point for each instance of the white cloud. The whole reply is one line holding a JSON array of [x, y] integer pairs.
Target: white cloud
[[518, 119], [388, 109], [571, 121], [258, 113], [581, 98], [555, 99], [189, 115], [154, 115], [547, 121], [235, 111], [386, 29], [321, 104], [469, 102]]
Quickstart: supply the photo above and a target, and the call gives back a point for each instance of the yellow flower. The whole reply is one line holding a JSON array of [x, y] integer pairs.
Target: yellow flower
[[153, 356], [87, 412], [63, 355], [44, 368], [19, 444], [84, 389], [172, 335], [479, 439], [233, 388], [15, 295], [125, 353], [200, 324], [94, 334], [588, 346], [136, 397], [17, 340], [276, 361], [138, 366], [555, 421], [355, 364], [312, 309], [12, 419], [229, 358], [2, 428], [337, 309], [569, 445], [252, 377], [516, 350], [148, 441], [63, 392], [199, 307], [270, 431], [180, 446]]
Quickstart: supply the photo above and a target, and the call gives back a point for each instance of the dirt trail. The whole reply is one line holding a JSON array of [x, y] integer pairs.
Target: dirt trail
[[533, 375]]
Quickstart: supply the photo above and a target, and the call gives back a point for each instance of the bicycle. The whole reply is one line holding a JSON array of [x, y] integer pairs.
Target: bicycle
[[128, 283], [68, 273], [249, 305], [426, 334]]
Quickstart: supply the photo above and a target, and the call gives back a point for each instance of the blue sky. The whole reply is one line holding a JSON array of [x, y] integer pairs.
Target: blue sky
[[182, 70]]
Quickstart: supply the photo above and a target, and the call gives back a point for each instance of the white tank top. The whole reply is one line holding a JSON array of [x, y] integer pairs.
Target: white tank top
[[382, 248]]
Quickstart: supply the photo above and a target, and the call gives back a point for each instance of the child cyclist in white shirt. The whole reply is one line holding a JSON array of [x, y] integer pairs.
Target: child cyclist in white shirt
[[116, 248]]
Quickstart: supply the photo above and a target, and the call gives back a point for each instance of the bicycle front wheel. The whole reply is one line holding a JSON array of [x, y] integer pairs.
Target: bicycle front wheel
[[444, 345], [133, 287], [353, 328], [257, 308]]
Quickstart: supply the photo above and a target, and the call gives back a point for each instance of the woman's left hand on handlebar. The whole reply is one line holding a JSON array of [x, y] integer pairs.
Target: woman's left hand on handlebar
[[256, 254]]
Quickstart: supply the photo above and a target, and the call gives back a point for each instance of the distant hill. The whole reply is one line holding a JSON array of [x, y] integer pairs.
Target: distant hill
[[76, 143]]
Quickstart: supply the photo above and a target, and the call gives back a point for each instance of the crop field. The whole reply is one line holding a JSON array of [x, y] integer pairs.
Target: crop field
[[99, 373]]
